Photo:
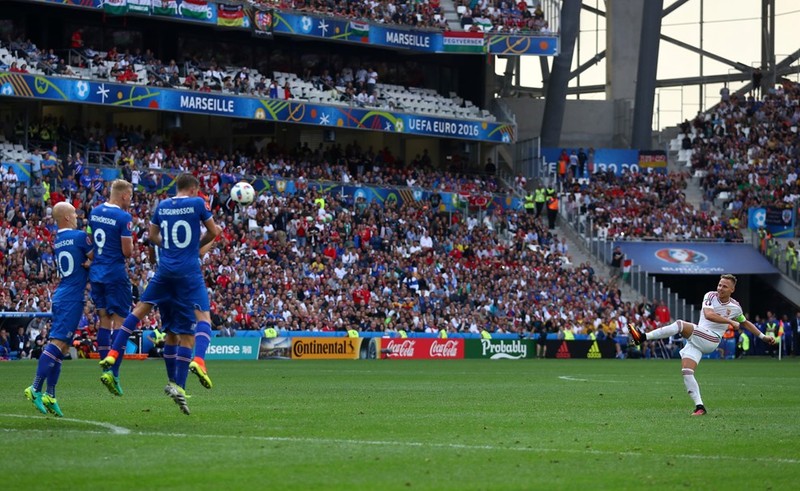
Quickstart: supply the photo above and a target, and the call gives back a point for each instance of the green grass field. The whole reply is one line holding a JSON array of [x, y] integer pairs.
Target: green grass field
[[380, 424]]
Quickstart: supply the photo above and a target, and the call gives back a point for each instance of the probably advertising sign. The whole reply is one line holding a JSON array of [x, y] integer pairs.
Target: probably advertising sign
[[499, 349], [233, 349], [422, 348]]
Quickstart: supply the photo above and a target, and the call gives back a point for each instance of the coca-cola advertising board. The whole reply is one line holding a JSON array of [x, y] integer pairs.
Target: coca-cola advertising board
[[422, 349]]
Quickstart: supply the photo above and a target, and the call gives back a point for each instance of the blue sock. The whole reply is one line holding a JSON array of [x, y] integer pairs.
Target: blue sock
[[182, 359], [169, 352], [202, 338], [123, 333], [115, 366], [55, 372], [50, 354], [103, 341]]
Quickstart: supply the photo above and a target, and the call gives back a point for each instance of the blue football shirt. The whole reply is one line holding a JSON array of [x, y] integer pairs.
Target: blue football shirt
[[71, 249], [109, 224], [179, 219]]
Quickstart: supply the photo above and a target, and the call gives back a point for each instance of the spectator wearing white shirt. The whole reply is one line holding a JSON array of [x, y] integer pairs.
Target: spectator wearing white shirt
[[425, 240], [11, 179], [372, 80]]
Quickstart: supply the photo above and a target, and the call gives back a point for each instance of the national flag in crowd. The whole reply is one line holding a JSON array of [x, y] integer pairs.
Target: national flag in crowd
[[359, 29], [165, 7], [194, 9], [116, 7], [139, 6], [230, 15], [626, 268], [463, 42]]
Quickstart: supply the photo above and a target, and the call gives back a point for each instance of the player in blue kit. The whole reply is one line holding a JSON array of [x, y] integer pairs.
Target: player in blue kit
[[175, 230], [73, 253], [175, 317], [111, 226]]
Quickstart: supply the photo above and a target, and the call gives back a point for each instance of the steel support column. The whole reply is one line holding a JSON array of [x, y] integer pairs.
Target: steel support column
[[767, 44], [642, 134], [555, 102]]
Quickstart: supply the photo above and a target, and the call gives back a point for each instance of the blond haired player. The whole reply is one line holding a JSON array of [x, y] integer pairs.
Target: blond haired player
[[719, 312]]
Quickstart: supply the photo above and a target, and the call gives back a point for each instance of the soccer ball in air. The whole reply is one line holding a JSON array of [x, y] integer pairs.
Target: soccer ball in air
[[243, 193]]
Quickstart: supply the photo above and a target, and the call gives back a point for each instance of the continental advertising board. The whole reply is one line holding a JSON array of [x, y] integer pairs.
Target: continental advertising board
[[333, 348]]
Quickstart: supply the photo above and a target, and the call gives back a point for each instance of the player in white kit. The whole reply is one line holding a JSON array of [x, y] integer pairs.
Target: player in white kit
[[719, 312]]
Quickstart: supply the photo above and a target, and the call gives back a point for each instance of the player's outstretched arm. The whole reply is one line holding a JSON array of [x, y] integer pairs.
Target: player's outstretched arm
[[760, 335]]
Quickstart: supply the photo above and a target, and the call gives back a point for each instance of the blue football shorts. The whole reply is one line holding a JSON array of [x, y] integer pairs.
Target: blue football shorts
[[66, 316], [116, 298], [177, 318]]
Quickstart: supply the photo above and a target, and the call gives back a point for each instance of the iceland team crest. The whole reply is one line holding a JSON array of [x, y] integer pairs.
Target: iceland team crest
[[686, 257]]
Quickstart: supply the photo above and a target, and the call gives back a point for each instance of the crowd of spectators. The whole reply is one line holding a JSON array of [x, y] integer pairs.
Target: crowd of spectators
[[474, 15], [748, 150], [646, 206], [427, 14], [141, 154], [289, 262], [502, 16]]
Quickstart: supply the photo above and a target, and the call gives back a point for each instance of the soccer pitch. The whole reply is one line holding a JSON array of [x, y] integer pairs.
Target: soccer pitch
[[386, 424]]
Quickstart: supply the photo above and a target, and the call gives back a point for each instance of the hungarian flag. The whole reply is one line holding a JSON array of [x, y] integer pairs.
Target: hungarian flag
[[463, 42], [626, 268], [230, 15], [194, 9], [165, 7], [360, 30], [139, 6], [116, 7]]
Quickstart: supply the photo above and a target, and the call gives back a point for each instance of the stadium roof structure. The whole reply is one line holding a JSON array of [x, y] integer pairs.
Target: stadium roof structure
[[633, 34]]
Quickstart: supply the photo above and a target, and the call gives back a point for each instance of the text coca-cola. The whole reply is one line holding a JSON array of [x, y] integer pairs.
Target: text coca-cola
[[424, 348]]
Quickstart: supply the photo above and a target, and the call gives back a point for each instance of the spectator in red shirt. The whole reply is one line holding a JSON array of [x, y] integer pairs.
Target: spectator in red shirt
[[76, 41], [330, 252]]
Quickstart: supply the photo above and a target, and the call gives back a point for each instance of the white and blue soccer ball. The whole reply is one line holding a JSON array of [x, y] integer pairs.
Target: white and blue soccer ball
[[243, 193]]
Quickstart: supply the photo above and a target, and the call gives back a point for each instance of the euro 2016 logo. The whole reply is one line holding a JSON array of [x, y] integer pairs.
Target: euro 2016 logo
[[681, 256]]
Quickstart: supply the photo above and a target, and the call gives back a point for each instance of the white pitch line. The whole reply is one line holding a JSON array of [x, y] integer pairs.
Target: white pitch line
[[385, 443], [117, 430], [573, 379], [462, 446]]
